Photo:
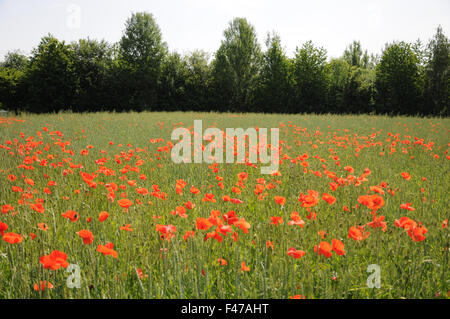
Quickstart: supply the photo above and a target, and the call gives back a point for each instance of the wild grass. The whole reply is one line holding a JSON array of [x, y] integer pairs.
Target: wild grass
[[189, 269]]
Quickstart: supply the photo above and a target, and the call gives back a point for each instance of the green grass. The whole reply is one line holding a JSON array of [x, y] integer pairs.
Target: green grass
[[189, 269]]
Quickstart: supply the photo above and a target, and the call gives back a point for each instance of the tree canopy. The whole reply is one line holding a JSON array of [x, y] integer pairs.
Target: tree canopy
[[140, 73]]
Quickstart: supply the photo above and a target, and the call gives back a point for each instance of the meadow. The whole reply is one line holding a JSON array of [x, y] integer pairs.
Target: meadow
[[101, 192]]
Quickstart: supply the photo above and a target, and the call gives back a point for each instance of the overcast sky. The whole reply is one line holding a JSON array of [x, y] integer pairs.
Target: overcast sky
[[199, 24]]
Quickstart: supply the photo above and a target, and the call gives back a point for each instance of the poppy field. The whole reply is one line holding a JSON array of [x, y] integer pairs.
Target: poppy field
[[92, 206]]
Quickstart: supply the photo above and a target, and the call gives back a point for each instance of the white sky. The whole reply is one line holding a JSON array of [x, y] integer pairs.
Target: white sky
[[199, 24]]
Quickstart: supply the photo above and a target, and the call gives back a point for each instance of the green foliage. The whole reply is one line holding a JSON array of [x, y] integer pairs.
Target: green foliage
[[138, 73], [359, 90], [93, 61], [141, 54], [15, 60], [172, 82], [354, 55], [352, 80], [12, 80], [11, 88], [275, 83], [397, 82], [437, 76], [236, 66], [51, 77], [311, 78], [198, 80], [339, 71]]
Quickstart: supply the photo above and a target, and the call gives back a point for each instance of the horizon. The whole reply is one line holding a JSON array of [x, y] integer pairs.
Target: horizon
[[327, 23]]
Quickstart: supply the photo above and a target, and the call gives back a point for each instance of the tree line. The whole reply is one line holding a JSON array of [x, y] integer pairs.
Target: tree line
[[139, 73]]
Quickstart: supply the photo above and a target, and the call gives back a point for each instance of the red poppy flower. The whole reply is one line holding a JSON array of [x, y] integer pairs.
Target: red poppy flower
[[243, 225], [140, 273], [328, 198], [324, 249], [244, 267], [167, 231], [126, 228], [405, 223], [142, 190], [194, 190], [125, 203], [12, 238], [280, 200], [338, 247], [209, 198], [295, 253], [189, 205], [236, 201], [7, 208], [357, 233], [296, 220], [417, 233], [44, 284], [55, 260], [188, 234], [243, 176], [224, 229], [378, 222], [38, 207], [407, 206], [373, 202], [3, 227], [297, 297], [107, 250], [222, 262], [377, 189], [72, 215], [310, 199], [406, 176], [87, 236], [103, 216], [203, 223], [276, 220]]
